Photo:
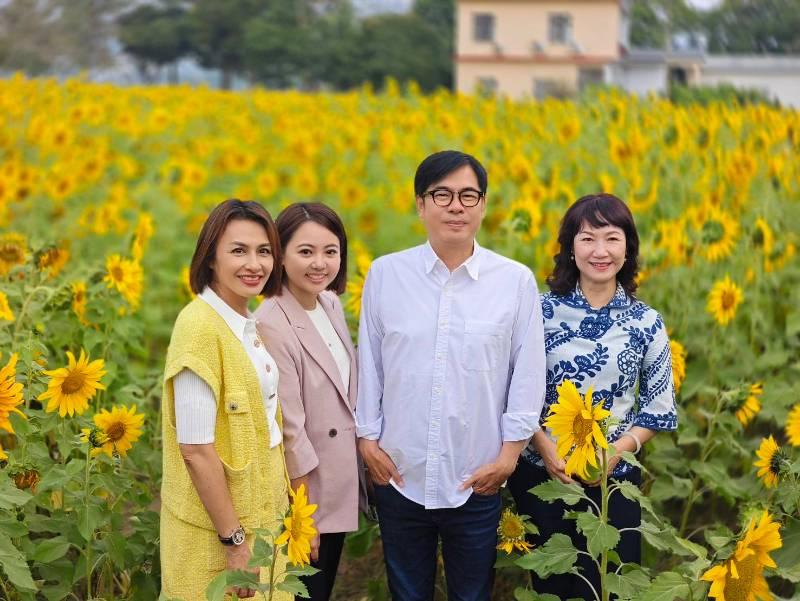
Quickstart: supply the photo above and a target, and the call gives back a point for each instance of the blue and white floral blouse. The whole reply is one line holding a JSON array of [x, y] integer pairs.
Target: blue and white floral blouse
[[622, 350]]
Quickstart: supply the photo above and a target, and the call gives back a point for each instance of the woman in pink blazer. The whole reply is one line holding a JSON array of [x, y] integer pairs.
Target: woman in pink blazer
[[304, 330]]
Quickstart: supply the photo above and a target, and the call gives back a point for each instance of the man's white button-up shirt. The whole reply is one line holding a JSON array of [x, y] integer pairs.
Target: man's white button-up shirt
[[451, 365]]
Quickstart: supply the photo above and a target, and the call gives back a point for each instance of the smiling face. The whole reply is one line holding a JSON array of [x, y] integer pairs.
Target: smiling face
[[242, 263], [311, 262], [455, 225], [599, 254]]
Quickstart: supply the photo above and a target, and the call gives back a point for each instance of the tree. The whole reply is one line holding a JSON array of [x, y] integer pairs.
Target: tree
[[755, 26], [278, 49], [217, 32], [440, 16], [56, 35], [403, 47], [655, 23], [155, 35]]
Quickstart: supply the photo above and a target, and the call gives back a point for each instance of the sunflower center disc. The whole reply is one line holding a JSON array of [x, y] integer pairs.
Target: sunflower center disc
[[73, 383]]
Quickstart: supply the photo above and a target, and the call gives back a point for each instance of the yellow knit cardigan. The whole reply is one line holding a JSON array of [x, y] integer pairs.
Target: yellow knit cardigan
[[256, 475]]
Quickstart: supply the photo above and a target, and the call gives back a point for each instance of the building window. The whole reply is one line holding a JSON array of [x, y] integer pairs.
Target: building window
[[487, 85], [590, 77], [560, 31], [483, 27], [551, 88]]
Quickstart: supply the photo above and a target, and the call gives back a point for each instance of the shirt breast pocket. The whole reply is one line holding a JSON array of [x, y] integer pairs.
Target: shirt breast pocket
[[484, 342]]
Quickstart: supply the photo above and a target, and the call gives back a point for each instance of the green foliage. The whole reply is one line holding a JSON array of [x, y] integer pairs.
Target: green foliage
[[723, 93], [754, 27]]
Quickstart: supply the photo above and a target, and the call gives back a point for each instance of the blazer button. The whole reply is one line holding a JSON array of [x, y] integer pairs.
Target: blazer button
[[234, 406], [332, 432]]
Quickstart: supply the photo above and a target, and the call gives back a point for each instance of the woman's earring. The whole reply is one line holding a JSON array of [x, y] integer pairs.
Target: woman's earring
[[571, 257]]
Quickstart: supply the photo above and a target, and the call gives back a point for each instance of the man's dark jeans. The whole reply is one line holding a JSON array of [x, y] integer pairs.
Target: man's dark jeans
[[411, 533]]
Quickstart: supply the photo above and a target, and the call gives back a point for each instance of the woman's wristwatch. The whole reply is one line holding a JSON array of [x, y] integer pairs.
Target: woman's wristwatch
[[234, 539]]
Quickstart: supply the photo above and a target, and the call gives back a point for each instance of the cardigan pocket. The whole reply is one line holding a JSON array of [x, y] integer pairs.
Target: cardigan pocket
[[240, 486]]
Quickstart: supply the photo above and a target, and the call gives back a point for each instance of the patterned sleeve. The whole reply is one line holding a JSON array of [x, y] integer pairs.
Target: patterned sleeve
[[656, 403]]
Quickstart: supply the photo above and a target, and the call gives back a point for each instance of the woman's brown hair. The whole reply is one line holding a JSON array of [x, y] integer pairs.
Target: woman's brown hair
[[295, 215], [200, 272], [598, 210]]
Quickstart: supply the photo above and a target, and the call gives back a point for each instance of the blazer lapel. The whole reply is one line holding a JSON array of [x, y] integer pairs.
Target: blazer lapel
[[340, 325], [310, 339]]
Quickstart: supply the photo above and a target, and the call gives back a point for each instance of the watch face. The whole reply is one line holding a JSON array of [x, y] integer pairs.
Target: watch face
[[238, 536]]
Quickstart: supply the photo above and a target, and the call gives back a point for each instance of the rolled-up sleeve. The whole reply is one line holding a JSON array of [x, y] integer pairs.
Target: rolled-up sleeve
[[656, 402], [528, 367], [369, 415]]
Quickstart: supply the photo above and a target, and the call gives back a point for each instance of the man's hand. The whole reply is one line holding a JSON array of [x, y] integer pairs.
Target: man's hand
[[237, 557], [380, 466], [554, 465], [488, 478]]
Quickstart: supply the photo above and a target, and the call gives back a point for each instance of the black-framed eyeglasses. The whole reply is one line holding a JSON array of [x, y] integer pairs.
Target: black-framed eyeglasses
[[442, 197]]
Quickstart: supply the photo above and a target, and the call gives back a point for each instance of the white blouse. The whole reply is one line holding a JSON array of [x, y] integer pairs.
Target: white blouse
[[331, 339], [195, 404]]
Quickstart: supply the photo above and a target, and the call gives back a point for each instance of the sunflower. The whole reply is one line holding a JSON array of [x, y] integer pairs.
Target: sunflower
[[79, 301], [751, 404], [793, 426], [718, 234], [525, 218], [6, 314], [763, 237], [53, 260], [144, 231], [574, 422], [299, 528], [723, 300], [126, 276], [116, 430], [678, 352], [512, 533], [355, 285], [95, 438], [10, 393], [71, 387], [771, 458], [741, 577], [13, 250]]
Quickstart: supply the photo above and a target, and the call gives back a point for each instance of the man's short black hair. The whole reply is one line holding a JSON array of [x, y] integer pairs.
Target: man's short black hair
[[441, 164]]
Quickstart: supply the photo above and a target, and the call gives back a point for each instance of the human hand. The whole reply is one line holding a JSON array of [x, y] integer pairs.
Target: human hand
[[237, 558], [380, 466], [554, 464], [488, 478], [315, 548]]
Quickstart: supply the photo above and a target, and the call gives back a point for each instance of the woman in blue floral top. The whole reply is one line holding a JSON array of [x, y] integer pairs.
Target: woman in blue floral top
[[597, 333]]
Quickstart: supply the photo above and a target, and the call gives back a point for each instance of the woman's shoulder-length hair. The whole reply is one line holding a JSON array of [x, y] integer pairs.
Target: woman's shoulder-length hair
[[292, 217], [200, 272], [598, 210]]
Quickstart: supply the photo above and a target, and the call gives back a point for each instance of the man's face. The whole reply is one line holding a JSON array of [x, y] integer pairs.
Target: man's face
[[454, 225]]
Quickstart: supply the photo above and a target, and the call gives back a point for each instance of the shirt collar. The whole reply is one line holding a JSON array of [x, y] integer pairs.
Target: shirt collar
[[236, 322], [472, 264], [618, 301]]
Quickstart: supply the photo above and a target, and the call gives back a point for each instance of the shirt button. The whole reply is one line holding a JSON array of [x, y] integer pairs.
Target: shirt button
[[256, 343], [269, 368], [332, 432]]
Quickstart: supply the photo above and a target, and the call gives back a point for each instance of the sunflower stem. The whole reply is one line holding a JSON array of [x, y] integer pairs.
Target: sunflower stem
[[707, 444], [91, 534], [272, 570], [603, 520]]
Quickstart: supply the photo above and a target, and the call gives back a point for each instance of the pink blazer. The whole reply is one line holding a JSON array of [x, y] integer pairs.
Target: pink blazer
[[319, 431]]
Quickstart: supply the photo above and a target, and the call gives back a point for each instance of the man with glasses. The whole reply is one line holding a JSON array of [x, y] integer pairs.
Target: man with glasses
[[451, 383]]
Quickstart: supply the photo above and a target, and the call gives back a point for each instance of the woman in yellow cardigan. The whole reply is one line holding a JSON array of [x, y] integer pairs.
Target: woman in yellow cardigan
[[224, 470]]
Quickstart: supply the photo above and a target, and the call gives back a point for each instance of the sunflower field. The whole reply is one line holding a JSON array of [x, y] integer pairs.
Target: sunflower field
[[103, 190]]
